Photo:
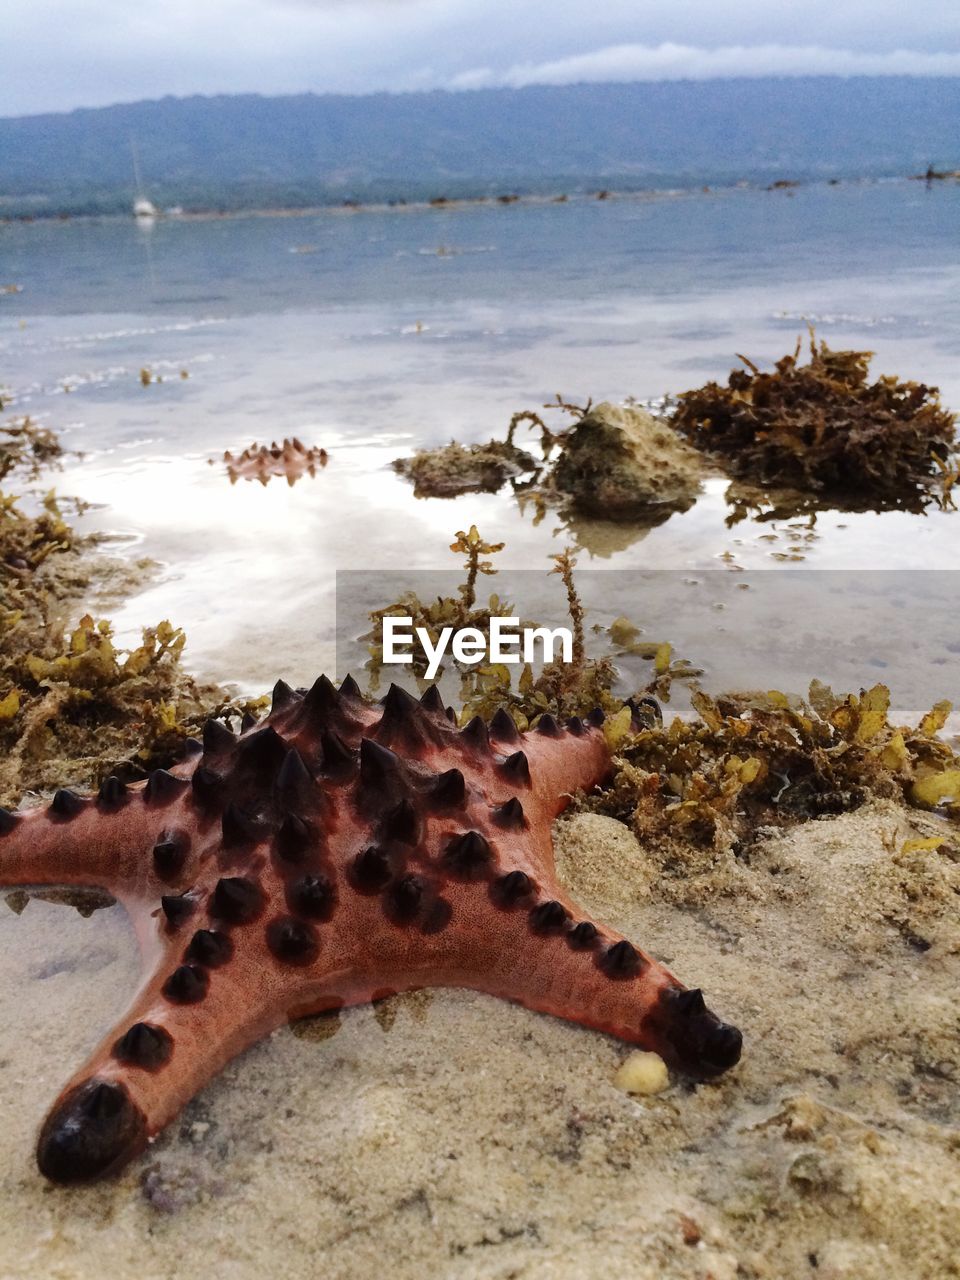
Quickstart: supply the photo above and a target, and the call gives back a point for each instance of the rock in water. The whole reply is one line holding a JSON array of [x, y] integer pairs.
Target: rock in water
[[622, 464]]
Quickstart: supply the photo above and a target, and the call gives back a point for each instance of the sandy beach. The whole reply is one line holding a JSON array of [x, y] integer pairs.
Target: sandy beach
[[446, 1133]]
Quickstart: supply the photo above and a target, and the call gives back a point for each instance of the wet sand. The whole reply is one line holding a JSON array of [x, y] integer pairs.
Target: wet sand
[[450, 1134]]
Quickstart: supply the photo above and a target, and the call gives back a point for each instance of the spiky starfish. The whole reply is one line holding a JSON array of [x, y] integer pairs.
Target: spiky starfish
[[333, 854], [292, 460]]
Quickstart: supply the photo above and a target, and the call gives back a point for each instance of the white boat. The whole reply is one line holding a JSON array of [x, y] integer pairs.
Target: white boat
[[144, 210]]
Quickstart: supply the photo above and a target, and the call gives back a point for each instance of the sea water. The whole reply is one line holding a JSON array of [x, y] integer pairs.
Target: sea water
[[372, 332]]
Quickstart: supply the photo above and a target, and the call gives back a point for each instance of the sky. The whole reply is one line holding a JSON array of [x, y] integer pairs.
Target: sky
[[62, 54]]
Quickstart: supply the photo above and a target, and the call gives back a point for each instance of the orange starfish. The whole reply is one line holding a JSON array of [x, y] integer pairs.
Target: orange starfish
[[333, 854], [292, 460]]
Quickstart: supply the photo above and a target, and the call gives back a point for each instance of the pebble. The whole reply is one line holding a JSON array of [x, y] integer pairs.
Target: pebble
[[644, 1073]]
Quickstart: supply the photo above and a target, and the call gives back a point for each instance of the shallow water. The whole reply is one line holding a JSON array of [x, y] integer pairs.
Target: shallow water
[[373, 332]]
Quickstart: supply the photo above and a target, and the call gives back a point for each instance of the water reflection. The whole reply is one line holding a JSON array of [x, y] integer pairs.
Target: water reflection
[[375, 352], [766, 505]]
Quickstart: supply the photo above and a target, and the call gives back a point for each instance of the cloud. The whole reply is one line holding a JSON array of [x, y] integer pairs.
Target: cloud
[[72, 53], [670, 61]]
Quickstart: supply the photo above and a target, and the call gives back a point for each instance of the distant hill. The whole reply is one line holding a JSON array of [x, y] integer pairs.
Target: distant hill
[[248, 151]]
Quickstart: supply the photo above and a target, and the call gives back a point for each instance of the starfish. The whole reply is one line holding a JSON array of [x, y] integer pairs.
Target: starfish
[[291, 459], [334, 853]]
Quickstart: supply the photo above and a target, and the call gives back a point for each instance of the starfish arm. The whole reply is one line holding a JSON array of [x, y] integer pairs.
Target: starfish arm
[[186, 1023], [66, 842], [134, 841], [563, 761], [462, 891], [547, 954]]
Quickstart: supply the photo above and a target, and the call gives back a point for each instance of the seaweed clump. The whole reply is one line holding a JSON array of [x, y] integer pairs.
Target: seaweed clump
[[462, 610], [454, 468], [74, 707], [823, 427], [27, 445], [27, 541], [562, 689], [698, 792], [559, 689], [748, 761]]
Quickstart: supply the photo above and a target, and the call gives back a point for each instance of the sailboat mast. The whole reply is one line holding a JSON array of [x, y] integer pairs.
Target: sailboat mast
[[142, 207], [136, 168]]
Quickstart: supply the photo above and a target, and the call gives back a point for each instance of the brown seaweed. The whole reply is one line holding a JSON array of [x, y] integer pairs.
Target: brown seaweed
[[824, 428], [455, 469], [741, 762], [24, 444]]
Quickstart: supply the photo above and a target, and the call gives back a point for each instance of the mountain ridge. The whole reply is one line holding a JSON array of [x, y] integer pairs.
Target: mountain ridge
[[241, 151]]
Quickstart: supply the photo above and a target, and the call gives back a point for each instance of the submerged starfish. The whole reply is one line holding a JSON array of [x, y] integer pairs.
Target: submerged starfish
[[336, 853], [292, 459]]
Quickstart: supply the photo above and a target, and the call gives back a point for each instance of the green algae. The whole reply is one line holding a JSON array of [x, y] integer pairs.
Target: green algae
[[743, 760], [748, 761], [73, 706]]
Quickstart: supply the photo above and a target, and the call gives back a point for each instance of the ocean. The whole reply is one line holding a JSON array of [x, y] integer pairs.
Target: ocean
[[372, 332]]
